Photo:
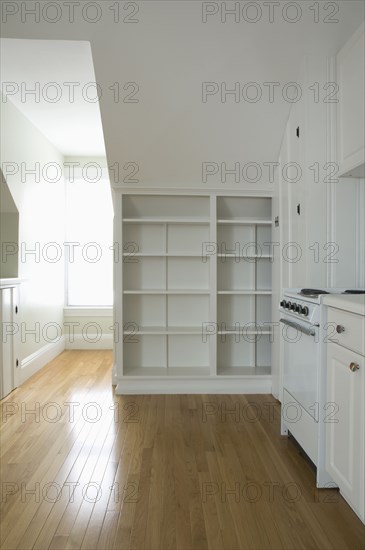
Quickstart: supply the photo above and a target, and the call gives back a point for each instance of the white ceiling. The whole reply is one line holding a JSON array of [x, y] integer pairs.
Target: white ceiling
[[72, 124], [169, 53]]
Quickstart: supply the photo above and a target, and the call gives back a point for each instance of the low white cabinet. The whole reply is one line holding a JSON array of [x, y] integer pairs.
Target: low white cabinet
[[345, 429], [9, 361]]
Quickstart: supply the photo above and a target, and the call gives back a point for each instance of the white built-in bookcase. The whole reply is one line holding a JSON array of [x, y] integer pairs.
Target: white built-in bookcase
[[193, 293]]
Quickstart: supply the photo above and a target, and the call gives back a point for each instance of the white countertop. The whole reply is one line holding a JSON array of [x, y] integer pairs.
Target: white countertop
[[355, 303], [7, 283]]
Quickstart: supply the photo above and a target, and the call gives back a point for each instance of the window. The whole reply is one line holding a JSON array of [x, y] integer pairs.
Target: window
[[89, 241]]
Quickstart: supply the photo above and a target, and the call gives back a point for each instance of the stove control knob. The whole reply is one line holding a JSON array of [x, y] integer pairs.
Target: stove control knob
[[293, 306], [283, 303], [300, 309], [288, 305], [305, 311]]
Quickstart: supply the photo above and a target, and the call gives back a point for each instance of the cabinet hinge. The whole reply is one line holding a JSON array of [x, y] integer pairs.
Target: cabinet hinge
[[17, 363], [298, 209], [297, 132], [16, 310]]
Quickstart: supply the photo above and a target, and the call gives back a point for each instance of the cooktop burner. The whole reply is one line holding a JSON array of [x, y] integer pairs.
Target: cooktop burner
[[312, 292], [315, 292], [315, 295]]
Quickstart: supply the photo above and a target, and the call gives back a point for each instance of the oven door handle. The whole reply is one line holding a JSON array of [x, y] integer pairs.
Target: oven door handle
[[300, 328]]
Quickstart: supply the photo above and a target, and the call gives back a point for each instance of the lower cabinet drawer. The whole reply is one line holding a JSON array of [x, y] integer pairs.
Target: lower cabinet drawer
[[346, 329]]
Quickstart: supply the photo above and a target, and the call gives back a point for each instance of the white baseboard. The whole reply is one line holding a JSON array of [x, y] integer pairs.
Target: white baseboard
[[36, 361], [104, 341], [133, 385], [114, 374]]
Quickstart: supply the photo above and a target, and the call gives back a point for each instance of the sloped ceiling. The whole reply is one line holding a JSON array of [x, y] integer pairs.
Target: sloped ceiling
[[50, 83], [168, 52]]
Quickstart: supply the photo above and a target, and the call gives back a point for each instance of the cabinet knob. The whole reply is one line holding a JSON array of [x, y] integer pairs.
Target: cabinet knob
[[339, 329], [354, 367]]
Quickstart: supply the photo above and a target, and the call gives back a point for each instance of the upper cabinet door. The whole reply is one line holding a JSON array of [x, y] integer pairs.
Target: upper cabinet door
[[350, 112]]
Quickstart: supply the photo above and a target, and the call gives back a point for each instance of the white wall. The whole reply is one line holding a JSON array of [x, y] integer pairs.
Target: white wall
[[84, 330], [41, 221], [9, 227]]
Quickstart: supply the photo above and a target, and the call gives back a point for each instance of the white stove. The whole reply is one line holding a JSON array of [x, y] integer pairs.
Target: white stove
[[303, 368], [302, 304]]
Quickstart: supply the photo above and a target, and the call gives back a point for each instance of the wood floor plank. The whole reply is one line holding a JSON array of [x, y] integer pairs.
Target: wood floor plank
[[175, 472], [156, 500], [108, 530]]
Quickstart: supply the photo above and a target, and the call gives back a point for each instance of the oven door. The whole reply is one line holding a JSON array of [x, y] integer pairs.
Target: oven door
[[301, 358]]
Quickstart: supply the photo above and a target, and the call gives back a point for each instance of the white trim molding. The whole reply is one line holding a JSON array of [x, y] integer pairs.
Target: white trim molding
[[88, 311], [201, 191], [39, 359], [331, 118], [114, 373], [360, 271], [133, 385], [91, 342]]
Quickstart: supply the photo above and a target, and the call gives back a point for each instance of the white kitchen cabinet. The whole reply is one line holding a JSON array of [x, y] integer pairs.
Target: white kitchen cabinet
[[9, 346], [193, 293], [350, 107], [304, 177], [345, 423]]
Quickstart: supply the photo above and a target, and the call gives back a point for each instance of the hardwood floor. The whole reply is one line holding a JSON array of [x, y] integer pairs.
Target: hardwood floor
[[82, 468]]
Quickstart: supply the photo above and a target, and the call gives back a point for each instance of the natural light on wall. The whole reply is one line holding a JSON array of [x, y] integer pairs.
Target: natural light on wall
[[72, 129], [89, 241]]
